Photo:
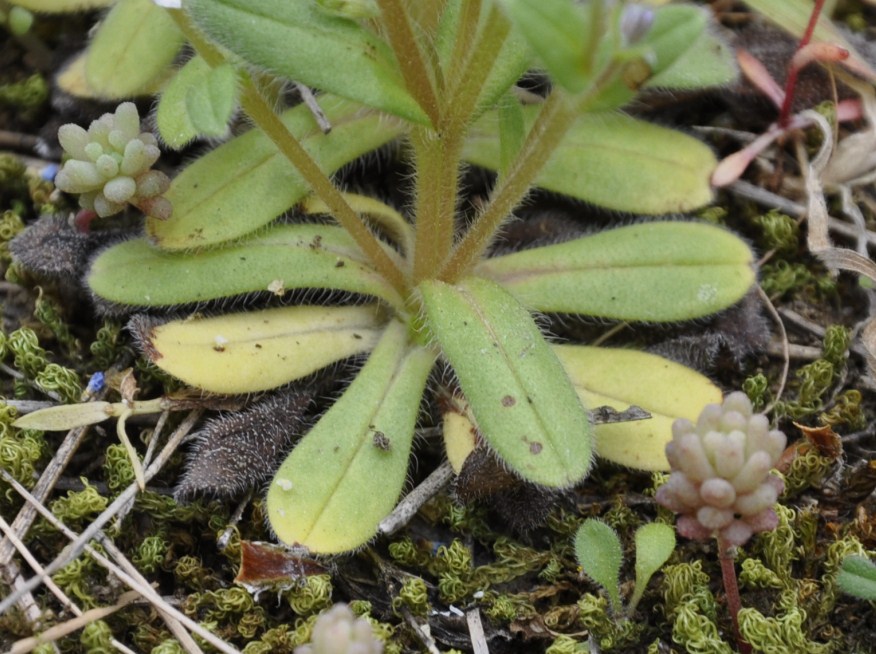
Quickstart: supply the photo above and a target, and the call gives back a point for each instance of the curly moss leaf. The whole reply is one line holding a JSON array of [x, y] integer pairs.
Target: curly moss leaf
[[858, 577], [288, 257], [68, 416], [663, 271], [61, 6], [599, 553], [621, 378], [198, 101], [613, 161], [133, 46], [259, 350], [246, 183], [346, 474], [318, 49], [520, 396], [655, 543], [793, 17], [688, 55]]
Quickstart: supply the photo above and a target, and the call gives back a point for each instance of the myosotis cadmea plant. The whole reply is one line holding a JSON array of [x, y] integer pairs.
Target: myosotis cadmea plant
[[441, 77]]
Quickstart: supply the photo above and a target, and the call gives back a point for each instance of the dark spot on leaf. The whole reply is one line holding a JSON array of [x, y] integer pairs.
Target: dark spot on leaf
[[535, 447], [219, 348], [339, 264], [381, 441], [508, 401], [358, 337]]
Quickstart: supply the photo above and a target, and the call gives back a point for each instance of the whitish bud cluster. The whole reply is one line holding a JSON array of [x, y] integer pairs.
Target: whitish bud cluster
[[110, 165], [339, 631], [721, 484]]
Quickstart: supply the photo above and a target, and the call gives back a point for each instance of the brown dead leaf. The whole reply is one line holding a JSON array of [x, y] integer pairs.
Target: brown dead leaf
[[824, 439]]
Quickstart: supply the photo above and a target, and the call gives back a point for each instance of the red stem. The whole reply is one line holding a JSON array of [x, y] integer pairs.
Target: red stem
[[791, 82], [731, 590]]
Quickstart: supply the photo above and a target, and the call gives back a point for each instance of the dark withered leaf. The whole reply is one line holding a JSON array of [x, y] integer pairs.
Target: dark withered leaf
[[239, 451], [731, 336], [523, 506], [53, 249]]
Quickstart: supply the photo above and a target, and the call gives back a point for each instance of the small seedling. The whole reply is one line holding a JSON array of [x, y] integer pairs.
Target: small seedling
[[600, 554]]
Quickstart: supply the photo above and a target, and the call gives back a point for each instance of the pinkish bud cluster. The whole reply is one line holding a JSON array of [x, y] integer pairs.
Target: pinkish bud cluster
[[339, 631], [721, 484], [110, 165]]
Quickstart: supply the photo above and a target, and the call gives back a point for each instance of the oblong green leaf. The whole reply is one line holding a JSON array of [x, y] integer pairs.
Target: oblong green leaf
[[172, 117], [613, 161], [688, 56], [657, 271], [259, 350], [134, 45], [246, 183], [66, 416], [519, 394], [211, 103], [622, 378], [346, 474], [286, 258], [599, 553], [302, 43], [655, 543]]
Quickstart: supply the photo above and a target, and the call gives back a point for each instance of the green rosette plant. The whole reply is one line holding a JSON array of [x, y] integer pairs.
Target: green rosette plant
[[441, 77]]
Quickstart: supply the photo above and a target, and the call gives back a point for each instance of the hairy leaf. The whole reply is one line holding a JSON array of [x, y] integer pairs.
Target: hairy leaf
[[658, 271], [67, 416], [328, 52], [857, 577], [688, 55], [614, 161], [286, 258], [520, 396], [134, 45], [60, 6], [258, 350], [655, 543], [347, 473], [599, 553], [623, 378], [246, 183]]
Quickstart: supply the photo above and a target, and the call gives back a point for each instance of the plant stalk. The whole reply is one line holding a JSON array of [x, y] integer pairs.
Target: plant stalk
[[418, 78], [731, 590]]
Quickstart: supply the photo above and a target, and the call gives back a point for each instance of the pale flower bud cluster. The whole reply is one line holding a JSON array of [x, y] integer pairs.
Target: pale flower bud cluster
[[721, 485], [339, 631], [110, 165]]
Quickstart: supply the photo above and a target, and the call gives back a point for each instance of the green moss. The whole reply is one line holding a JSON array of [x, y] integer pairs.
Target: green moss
[[60, 380], [106, 347], [48, 312], [755, 574], [780, 232], [150, 554], [28, 357], [609, 634], [757, 388], [27, 95], [414, 595], [780, 634], [96, 638], [312, 596], [77, 505], [846, 412], [118, 471], [20, 450]]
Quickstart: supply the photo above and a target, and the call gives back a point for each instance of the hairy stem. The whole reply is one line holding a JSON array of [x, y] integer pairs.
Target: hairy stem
[[555, 118], [261, 113], [416, 73], [731, 590]]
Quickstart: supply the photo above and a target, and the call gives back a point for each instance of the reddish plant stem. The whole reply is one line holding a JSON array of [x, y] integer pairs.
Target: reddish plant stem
[[726, 555], [791, 82]]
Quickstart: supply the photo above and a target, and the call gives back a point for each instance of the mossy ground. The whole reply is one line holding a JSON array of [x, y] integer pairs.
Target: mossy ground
[[451, 558]]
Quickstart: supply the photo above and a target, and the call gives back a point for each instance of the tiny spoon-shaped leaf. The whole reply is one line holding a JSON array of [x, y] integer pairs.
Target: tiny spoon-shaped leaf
[[258, 350], [519, 393], [654, 545], [659, 271], [347, 473], [599, 553], [857, 577]]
